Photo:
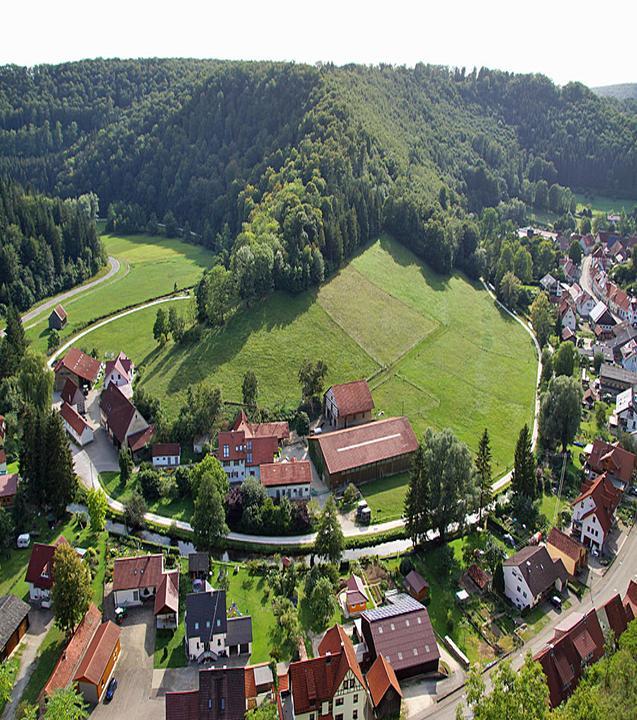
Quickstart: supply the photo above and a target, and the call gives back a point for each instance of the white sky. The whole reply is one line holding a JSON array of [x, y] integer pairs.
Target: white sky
[[564, 39]]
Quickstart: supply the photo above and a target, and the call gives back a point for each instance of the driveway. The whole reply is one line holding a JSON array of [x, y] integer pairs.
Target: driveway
[[134, 670], [39, 623]]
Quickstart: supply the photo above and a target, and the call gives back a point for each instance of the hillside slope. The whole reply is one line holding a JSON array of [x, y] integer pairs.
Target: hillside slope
[[622, 91]]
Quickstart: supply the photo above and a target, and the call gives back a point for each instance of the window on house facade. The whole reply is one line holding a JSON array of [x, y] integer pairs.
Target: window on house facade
[[339, 702], [249, 460], [355, 698], [226, 451], [354, 714]]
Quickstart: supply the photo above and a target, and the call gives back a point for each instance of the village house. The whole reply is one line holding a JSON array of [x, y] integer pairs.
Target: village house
[[291, 479], [136, 579], [75, 425], [583, 302], [571, 272], [329, 685], [166, 454], [198, 565], [587, 243], [81, 368], [120, 372], [8, 488], [14, 622], [601, 318], [552, 286], [355, 596], [561, 546], [88, 659], [122, 421], [593, 512], [384, 689], [613, 379], [58, 318], [366, 452], [618, 464], [623, 333], [402, 633], [348, 404], [416, 585], [568, 336], [629, 356], [225, 693], [73, 396], [40, 573], [246, 446], [625, 415], [567, 314], [530, 575], [210, 633]]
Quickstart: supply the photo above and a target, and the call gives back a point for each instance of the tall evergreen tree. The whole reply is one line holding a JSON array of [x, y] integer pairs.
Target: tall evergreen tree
[[208, 520], [418, 500], [483, 471], [13, 345], [59, 479], [523, 478]]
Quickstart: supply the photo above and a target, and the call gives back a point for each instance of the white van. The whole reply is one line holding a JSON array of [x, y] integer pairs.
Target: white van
[[24, 540]]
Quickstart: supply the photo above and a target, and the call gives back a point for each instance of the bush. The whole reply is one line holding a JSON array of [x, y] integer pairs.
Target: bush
[[150, 481], [302, 423], [406, 566], [351, 494], [182, 478]]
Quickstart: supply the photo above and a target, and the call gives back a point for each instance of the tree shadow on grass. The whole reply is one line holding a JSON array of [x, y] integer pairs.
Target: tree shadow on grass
[[405, 257]]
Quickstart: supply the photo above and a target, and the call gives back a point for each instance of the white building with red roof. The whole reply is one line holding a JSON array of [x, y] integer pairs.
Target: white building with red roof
[[75, 425], [166, 454], [291, 479], [122, 421], [348, 404], [619, 464], [593, 512], [40, 575], [120, 372], [81, 368]]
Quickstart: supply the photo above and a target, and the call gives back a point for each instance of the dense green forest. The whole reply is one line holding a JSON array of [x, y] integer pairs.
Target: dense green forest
[[47, 245], [284, 170]]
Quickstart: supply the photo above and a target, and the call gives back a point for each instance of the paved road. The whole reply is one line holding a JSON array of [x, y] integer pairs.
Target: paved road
[[615, 580], [586, 283], [51, 302]]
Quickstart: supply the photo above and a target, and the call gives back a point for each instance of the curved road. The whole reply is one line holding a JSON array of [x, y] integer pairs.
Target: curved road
[[89, 473]]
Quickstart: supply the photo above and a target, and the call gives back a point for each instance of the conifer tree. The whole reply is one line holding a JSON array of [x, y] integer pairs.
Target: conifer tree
[[418, 500], [523, 478], [483, 470]]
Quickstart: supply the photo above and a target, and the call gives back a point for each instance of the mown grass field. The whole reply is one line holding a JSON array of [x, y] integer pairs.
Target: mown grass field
[[149, 267], [602, 204], [439, 349]]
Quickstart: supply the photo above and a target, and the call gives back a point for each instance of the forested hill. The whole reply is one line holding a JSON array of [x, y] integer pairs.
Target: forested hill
[[285, 169], [46, 245], [623, 91]]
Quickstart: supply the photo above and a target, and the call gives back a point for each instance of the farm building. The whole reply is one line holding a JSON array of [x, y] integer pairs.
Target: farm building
[[287, 479], [122, 420], [58, 318], [72, 395], [81, 368], [166, 454], [614, 380], [366, 452], [75, 425], [348, 404], [198, 565], [384, 689], [14, 622]]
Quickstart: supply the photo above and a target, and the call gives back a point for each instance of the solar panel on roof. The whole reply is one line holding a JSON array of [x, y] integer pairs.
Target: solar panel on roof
[[403, 606]]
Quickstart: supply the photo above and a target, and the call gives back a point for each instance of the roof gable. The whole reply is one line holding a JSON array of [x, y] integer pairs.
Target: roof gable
[[353, 397]]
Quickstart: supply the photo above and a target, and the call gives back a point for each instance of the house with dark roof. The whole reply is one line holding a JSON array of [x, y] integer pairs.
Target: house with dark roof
[[618, 464], [291, 479], [365, 452], [630, 599], [198, 565], [120, 372], [210, 633], [246, 446], [81, 368], [355, 596], [89, 658], [40, 573], [14, 622], [166, 454], [402, 633], [329, 685], [614, 379], [348, 404], [122, 421], [594, 512], [58, 318], [572, 553], [144, 578], [72, 395], [75, 425], [221, 696], [530, 575], [416, 585], [384, 689]]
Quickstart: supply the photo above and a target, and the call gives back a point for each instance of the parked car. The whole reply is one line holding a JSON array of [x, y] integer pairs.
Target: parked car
[[110, 690], [556, 602], [24, 540]]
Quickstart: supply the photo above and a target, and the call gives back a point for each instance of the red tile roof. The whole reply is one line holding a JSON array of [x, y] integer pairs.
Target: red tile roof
[[3, 456], [69, 391], [60, 312], [606, 498], [141, 438], [8, 485], [40, 569], [167, 597], [164, 449], [98, 654], [75, 649], [138, 572], [352, 397], [365, 444], [121, 364], [182, 705], [279, 430], [380, 677], [630, 599], [616, 614], [355, 591], [296, 472], [73, 418], [119, 411], [565, 544], [80, 364], [264, 448], [479, 576], [614, 459]]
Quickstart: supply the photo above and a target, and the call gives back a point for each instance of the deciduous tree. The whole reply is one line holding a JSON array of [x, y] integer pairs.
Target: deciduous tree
[[208, 520], [329, 541], [97, 505], [542, 318], [560, 412], [72, 591], [161, 327], [564, 359], [134, 511], [66, 704]]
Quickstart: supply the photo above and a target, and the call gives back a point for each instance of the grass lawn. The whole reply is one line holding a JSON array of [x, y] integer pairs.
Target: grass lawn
[[602, 204], [48, 655], [178, 508], [149, 266], [548, 505], [386, 497], [471, 367]]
